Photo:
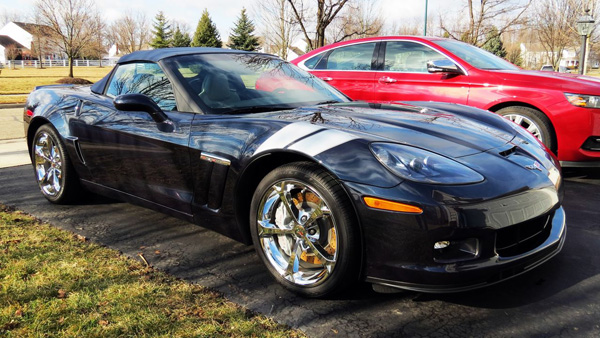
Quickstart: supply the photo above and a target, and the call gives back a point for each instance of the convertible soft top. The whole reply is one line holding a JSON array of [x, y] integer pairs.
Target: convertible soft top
[[156, 55]]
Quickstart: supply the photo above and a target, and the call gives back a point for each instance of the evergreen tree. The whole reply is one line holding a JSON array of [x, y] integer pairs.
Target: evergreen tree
[[180, 39], [494, 43], [206, 33], [242, 37], [161, 31]]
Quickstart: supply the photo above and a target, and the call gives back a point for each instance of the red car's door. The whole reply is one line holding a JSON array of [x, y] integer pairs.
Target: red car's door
[[349, 69], [404, 76]]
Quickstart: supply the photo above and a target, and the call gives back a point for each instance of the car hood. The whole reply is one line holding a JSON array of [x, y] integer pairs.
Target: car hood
[[447, 129], [573, 83]]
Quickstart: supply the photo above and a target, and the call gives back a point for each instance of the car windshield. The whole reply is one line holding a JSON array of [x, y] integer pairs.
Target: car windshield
[[245, 83], [477, 57]]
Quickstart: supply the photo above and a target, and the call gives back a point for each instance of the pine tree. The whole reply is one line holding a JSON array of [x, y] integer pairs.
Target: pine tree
[[242, 36], [162, 32], [494, 43], [206, 33], [180, 39]]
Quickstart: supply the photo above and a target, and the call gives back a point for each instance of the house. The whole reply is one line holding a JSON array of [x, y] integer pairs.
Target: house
[[9, 46], [29, 36]]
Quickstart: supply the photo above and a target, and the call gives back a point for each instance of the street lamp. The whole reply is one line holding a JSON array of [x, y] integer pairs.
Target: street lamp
[[585, 25], [425, 26]]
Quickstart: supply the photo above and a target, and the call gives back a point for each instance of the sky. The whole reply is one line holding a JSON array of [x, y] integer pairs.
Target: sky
[[225, 12]]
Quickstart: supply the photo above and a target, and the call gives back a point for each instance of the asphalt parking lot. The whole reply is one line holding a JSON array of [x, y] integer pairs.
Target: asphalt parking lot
[[560, 298]]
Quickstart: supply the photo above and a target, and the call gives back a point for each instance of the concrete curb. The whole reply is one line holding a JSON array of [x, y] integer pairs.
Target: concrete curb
[[12, 105]]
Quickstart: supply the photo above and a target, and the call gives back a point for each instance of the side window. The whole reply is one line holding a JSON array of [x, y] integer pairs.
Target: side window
[[354, 57], [143, 78], [312, 62], [410, 57]]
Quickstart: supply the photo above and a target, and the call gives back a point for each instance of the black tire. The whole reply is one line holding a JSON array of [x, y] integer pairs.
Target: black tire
[[55, 175], [538, 119], [338, 251]]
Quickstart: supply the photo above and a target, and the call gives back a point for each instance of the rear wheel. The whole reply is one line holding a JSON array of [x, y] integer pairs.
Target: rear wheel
[[54, 172], [305, 231], [534, 121]]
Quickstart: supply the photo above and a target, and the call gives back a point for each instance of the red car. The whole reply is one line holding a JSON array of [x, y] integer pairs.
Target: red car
[[562, 110]]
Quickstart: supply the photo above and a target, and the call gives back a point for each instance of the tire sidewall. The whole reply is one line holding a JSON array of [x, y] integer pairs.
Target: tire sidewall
[[347, 260], [53, 134]]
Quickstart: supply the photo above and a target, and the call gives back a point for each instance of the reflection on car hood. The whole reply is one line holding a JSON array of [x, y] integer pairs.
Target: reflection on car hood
[[447, 129]]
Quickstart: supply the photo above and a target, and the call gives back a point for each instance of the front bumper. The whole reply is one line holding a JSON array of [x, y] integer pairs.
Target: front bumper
[[479, 273], [574, 126]]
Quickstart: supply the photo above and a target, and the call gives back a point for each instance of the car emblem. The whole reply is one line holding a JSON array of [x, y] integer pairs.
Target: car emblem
[[534, 166]]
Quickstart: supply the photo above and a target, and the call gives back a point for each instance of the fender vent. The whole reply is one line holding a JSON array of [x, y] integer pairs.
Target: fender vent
[[509, 151]]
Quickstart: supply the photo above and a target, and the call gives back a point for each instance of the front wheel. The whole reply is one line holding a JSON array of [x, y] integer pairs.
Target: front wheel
[[54, 172], [304, 230], [534, 121]]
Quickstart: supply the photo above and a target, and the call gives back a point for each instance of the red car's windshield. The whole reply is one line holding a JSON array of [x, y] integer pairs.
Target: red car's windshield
[[478, 58]]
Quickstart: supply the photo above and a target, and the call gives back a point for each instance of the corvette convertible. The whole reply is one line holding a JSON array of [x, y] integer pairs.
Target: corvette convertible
[[429, 197]]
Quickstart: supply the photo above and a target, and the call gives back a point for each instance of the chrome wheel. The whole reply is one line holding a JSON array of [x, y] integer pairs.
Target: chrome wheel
[[526, 123], [48, 164], [297, 233]]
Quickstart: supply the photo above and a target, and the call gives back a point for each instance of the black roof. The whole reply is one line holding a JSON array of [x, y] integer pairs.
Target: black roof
[[6, 41], [156, 55]]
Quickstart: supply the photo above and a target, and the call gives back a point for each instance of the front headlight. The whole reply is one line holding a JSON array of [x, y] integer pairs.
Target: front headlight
[[586, 101], [423, 166]]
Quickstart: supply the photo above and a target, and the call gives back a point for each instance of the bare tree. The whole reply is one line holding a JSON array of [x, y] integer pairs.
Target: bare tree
[[12, 53], [325, 11], [10, 16], [360, 19], [553, 24], [277, 25], [131, 32], [41, 39], [71, 21], [503, 14]]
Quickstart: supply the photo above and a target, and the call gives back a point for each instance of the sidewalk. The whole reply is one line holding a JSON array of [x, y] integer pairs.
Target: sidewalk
[[13, 147]]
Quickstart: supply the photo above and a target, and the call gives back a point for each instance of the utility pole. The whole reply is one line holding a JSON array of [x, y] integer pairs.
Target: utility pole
[[425, 25]]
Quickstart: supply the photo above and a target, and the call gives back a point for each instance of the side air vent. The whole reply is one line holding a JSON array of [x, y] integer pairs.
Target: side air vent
[[508, 151]]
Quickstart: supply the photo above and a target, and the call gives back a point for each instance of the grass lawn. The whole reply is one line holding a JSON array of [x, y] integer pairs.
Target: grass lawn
[[57, 284], [23, 80]]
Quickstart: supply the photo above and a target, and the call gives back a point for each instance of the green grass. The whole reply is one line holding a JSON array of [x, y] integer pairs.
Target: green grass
[[56, 284], [23, 80]]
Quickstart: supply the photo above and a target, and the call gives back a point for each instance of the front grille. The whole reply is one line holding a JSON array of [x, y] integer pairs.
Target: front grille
[[523, 237]]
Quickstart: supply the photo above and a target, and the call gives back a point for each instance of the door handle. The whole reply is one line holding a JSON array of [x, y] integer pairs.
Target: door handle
[[326, 78], [387, 79]]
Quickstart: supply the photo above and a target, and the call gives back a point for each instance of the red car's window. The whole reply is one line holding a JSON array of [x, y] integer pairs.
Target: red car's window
[[405, 56], [354, 57]]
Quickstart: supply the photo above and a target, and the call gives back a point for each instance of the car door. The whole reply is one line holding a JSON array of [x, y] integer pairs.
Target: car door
[[129, 151], [404, 76], [347, 68]]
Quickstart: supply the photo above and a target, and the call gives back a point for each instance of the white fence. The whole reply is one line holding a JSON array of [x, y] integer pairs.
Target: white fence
[[57, 63]]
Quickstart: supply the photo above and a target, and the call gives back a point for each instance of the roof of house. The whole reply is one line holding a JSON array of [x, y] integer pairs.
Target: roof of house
[[6, 41], [34, 29]]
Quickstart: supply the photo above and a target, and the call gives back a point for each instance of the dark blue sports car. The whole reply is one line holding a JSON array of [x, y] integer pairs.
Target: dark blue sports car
[[424, 196]]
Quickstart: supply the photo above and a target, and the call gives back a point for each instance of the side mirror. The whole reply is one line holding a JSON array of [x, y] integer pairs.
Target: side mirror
[[140, 102], [443, 66]]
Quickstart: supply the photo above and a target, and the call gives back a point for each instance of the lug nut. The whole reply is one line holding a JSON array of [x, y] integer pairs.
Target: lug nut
[[312, 231]]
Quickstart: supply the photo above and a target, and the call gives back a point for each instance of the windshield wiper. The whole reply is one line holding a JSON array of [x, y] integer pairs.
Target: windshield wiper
[[258, 109], [328, 102]]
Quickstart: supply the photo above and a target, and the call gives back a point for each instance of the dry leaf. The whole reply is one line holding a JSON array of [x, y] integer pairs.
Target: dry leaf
[[81, 238], [61, 320], [157, 252], [103, 322], [19, 313], [62, 294], [334, 331]]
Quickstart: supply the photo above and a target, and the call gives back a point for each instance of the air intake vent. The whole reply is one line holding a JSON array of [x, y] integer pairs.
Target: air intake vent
[[523, 237], [508, 151], [592, 143]]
